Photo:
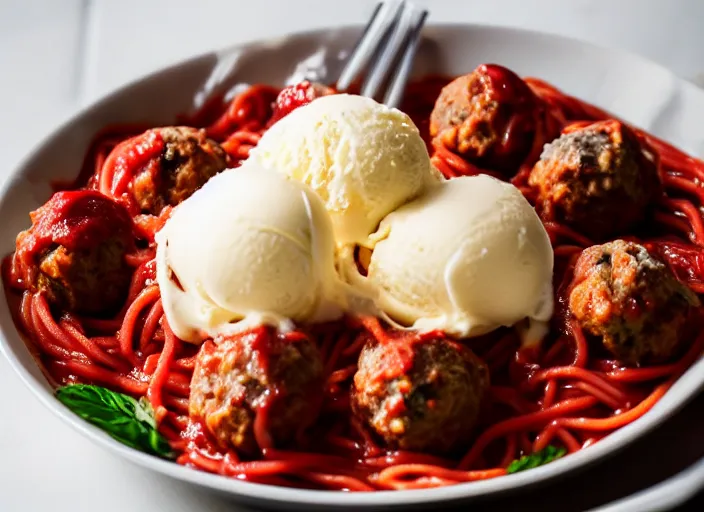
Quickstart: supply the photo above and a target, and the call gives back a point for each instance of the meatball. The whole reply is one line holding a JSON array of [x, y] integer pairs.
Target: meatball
[[294, 96], [489, 117], [598, 180], [420, 395], [188, 160], [256, 378], [630, 301], [75, 252]]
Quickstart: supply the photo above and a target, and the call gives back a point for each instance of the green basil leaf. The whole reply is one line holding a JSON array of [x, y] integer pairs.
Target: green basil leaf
[[127, 420], [145, 412], [548, 454]]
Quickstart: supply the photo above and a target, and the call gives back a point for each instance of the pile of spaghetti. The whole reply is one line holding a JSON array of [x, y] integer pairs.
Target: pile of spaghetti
[[563, 394]]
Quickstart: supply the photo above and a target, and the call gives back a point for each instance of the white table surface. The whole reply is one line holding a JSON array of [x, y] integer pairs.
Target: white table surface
[[58, 55]]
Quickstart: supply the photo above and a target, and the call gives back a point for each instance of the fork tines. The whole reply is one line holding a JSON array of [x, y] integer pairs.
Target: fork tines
[[386, 48]]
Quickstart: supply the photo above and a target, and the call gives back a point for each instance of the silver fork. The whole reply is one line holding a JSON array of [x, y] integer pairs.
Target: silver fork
[[387, 45]]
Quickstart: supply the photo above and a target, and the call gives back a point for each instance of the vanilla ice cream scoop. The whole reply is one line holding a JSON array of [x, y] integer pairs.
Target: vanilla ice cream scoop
[[362, 158], [468, 256], [250, 247]]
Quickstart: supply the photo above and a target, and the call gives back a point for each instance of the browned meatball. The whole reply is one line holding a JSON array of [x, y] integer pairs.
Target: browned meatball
[[258, 374], [188, 160], [631, 301], [599, 180], [75, 252], [90, 282], [293, 96], [489, 117], [420, 395]]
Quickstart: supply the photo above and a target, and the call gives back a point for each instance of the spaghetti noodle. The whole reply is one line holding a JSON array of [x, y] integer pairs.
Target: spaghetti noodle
[[563, 394]]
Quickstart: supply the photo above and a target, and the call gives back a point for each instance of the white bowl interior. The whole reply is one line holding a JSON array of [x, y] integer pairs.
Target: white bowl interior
[[639, 91]]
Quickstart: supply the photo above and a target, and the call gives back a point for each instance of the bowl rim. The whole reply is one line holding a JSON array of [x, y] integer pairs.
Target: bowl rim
[[692, 381]]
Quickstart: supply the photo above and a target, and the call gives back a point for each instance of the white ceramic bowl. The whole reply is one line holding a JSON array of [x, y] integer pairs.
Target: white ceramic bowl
[[637, 90]]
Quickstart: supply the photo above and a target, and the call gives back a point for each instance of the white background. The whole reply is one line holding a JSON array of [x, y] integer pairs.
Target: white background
[[58, 55]]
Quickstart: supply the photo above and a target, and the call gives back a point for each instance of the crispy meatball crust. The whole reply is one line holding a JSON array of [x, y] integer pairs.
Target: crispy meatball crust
[[631, 301], [92, 281], [599, 180], [189, 160], [488, 117], [74, 252], [259, 372], [431, 405]]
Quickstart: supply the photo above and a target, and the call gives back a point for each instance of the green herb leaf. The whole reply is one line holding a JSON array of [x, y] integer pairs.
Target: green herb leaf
[[548, 454], [128, 420]]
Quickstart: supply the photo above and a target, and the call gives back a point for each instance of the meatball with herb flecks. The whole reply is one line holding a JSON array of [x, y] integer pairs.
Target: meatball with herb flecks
[[75, 252], [489, 117], [599, 180], [257, 389], [188, 159], [630, 301], [419, 393]]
